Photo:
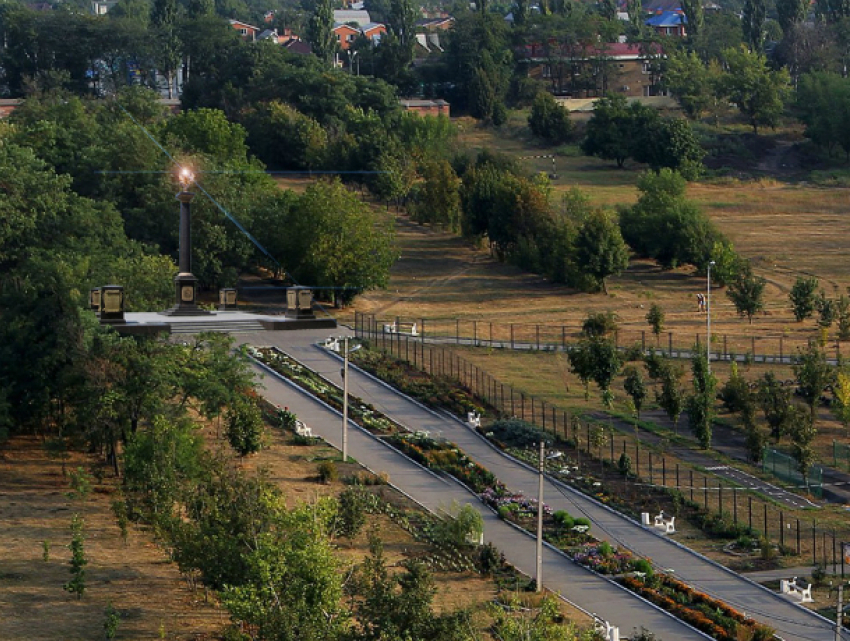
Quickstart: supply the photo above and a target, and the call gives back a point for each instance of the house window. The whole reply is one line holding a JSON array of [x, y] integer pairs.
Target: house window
[[622, 66], [349, 38], [646, 68], [244, 32], [337, 38]]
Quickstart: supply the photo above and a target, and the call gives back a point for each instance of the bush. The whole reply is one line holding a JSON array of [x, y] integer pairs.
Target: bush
[[327, 472], [625, 464], [644, 566], [563, 519], [489, 559], [582, 521], [286, 419], [549, 120], [351, 513]]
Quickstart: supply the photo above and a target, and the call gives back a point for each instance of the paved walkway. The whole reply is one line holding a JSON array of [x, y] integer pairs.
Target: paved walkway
[[790, 620]]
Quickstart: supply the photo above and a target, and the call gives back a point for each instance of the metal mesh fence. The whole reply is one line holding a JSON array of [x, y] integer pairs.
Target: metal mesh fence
[[658, 480], [786, 468], [523, 336]]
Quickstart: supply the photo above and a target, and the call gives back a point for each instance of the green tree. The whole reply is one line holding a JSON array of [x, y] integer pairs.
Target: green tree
[[655, 318], [77, 584], [439, 197], [754, 15], [775, 402], [803, 432], [802, 296], [549, 120], [669, 143], [635, 387], [605, 363], [667, 227], [747, 293], [244, 422], [540, 624], [167, 47], [344, 244], [758, 91], [615, 123], [813, 376], [695, 16], [671, 398], [687, 76], [600, 249], [320, 33], [351, 513], [701, 403], [791, 13]]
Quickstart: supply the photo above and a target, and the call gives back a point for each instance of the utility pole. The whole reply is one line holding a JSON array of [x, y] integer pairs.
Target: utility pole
[[838, 612], [539, 581], [345, 402]]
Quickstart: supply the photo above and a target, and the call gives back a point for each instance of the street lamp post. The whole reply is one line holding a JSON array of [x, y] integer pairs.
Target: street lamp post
[[185, 282], [539, 550], [708, 317], [345, 354]]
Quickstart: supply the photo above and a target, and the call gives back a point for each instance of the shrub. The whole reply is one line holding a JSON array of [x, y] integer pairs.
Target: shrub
[[489, 559], [351, 514], [644, 566], [563, 519], [625, 464], [582, 521], [327, 472]]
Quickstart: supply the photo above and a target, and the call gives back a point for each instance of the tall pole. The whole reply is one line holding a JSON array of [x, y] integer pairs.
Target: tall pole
[[839, 613], [708, 316], [345, 401], [539, 580]]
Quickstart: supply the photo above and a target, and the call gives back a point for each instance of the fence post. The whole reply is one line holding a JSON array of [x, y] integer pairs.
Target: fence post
[[512, 335], [543, 413], [734, 505], [750, 512], [781, 530], [814, 541], [678, 489], [537, 336], [692, 485], [522, 404], [457, 331], [780, 349], [422, 329], [766, 532], [643, 340], [669, 344], [650, 467], [798, 537], [475, 333], [491, 333], [725, 348], [720, 497], [705, 491], [563, 338], [663, 471]]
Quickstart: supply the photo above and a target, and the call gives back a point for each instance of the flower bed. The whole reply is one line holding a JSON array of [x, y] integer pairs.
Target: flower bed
[[439, 392], [360, 412], [705, 613], [446, 457]]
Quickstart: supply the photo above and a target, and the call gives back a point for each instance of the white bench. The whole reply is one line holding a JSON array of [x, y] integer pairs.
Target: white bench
[[792, 589], [332, 344], [303, 430], [609, 632], [473, 419], [581, 529], [401, 328], [660, 521]]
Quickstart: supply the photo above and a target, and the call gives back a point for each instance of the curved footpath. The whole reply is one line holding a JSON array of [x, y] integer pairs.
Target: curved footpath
[[791, 621]]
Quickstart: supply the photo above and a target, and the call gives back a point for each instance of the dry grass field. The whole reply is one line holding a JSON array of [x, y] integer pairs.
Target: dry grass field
[[135, 575]]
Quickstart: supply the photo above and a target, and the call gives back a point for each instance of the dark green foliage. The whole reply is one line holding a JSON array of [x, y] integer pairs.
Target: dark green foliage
[[635, 388], [802, 432], [624, 464], [327, 472], [613, 127], [596, 359], [671, 398], [695, 15], [549, 120], [735, 393], [490, 559], [600, 249], [513, 432], [775, 401], [655, 318], [563, 519], [813, 375], [320, 33], [244, 426], [791, 13], [111, 621], [827, 310], [77, 583], [747, 293], [669, 143], [351, 513], [758, 91], [599, 324], [754, 15], [664, 225], [701, 404], [802, 295]]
